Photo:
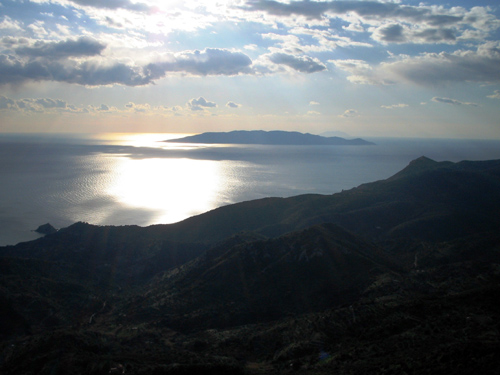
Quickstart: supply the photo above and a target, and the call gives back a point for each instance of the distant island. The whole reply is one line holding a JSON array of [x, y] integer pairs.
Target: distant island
[[276, 137]]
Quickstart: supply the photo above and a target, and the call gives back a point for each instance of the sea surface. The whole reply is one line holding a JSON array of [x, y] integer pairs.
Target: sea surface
[[121, 179]]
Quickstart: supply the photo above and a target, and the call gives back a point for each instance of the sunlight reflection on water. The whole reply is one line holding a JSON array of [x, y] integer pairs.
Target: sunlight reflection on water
[[171, 187], [121, 179]]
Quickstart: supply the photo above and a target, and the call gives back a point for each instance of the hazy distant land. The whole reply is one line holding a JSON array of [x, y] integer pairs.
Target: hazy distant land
[[275, 137]]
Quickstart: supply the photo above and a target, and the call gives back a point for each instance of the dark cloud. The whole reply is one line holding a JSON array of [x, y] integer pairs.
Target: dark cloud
[[211, 61], [83, 46], [51, 103], [453, 102], [304, 64], [15, 71], [37, 63], [369, 9], [233, 105], [200, 103], [114, 4], [396, 33], [103, 108], [431, 69], [391, 33], [436, 35]]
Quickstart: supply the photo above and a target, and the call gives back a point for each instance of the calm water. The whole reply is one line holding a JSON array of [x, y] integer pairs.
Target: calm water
[[123, 179]]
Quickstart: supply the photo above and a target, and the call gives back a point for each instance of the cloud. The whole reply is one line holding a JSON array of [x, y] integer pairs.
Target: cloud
[[453, 102], [312, 102], [39, 105], [430, 69], [401, 105], [387, 21], [114, 4], [211, 61], [138, 108], [233, 105], [51, 103], [495, 95], [83, 46], [6, 103], [304, 64], [368, 9], [38, 66], [482, 65], [396, 33], [390, 33], [10, 24], [200, 104], [349, 113]]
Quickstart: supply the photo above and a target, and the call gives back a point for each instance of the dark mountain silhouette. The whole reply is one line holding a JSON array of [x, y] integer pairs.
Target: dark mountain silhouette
[[262, 280], [275, 137], [394, 276]]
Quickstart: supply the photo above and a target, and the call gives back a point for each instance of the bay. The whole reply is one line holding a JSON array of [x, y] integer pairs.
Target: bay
[[123, 179]]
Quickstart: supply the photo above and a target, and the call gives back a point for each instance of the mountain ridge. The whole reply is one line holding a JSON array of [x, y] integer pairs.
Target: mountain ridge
[[397, 275]]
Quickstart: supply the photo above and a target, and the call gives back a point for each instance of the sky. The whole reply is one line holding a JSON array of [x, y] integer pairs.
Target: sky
[[365, 68]]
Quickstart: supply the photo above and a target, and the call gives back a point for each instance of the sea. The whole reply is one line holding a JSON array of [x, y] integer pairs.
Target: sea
[[140, 179]]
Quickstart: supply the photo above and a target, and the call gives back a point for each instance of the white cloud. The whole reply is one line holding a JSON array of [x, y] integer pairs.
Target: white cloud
[[495, 95], [10, 24], [349, 113]]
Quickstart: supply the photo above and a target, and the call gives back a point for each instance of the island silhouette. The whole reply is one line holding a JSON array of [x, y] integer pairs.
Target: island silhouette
[[274, 137]]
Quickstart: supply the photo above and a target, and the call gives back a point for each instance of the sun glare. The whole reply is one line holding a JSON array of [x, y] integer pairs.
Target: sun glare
[[171, 187]]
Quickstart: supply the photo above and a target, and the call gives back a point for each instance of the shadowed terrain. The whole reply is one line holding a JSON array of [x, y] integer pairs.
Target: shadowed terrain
[[394, 276]]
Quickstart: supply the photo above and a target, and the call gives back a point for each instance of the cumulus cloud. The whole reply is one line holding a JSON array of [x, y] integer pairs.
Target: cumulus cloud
[[114, 4], [312, 102], [368, 9], [39, 105], [430, 69], [482, 65], [83, 46], [6, 103], [304, 64], [397, 33], [495, 95], [390, 21], [453, 102], [349, 113], [233, 105], [36, 64], [138, 108], [200, 104], [10, 24], [211, 61]]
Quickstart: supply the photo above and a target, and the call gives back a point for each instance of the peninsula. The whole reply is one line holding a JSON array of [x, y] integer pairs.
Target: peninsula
[[275, 137]]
